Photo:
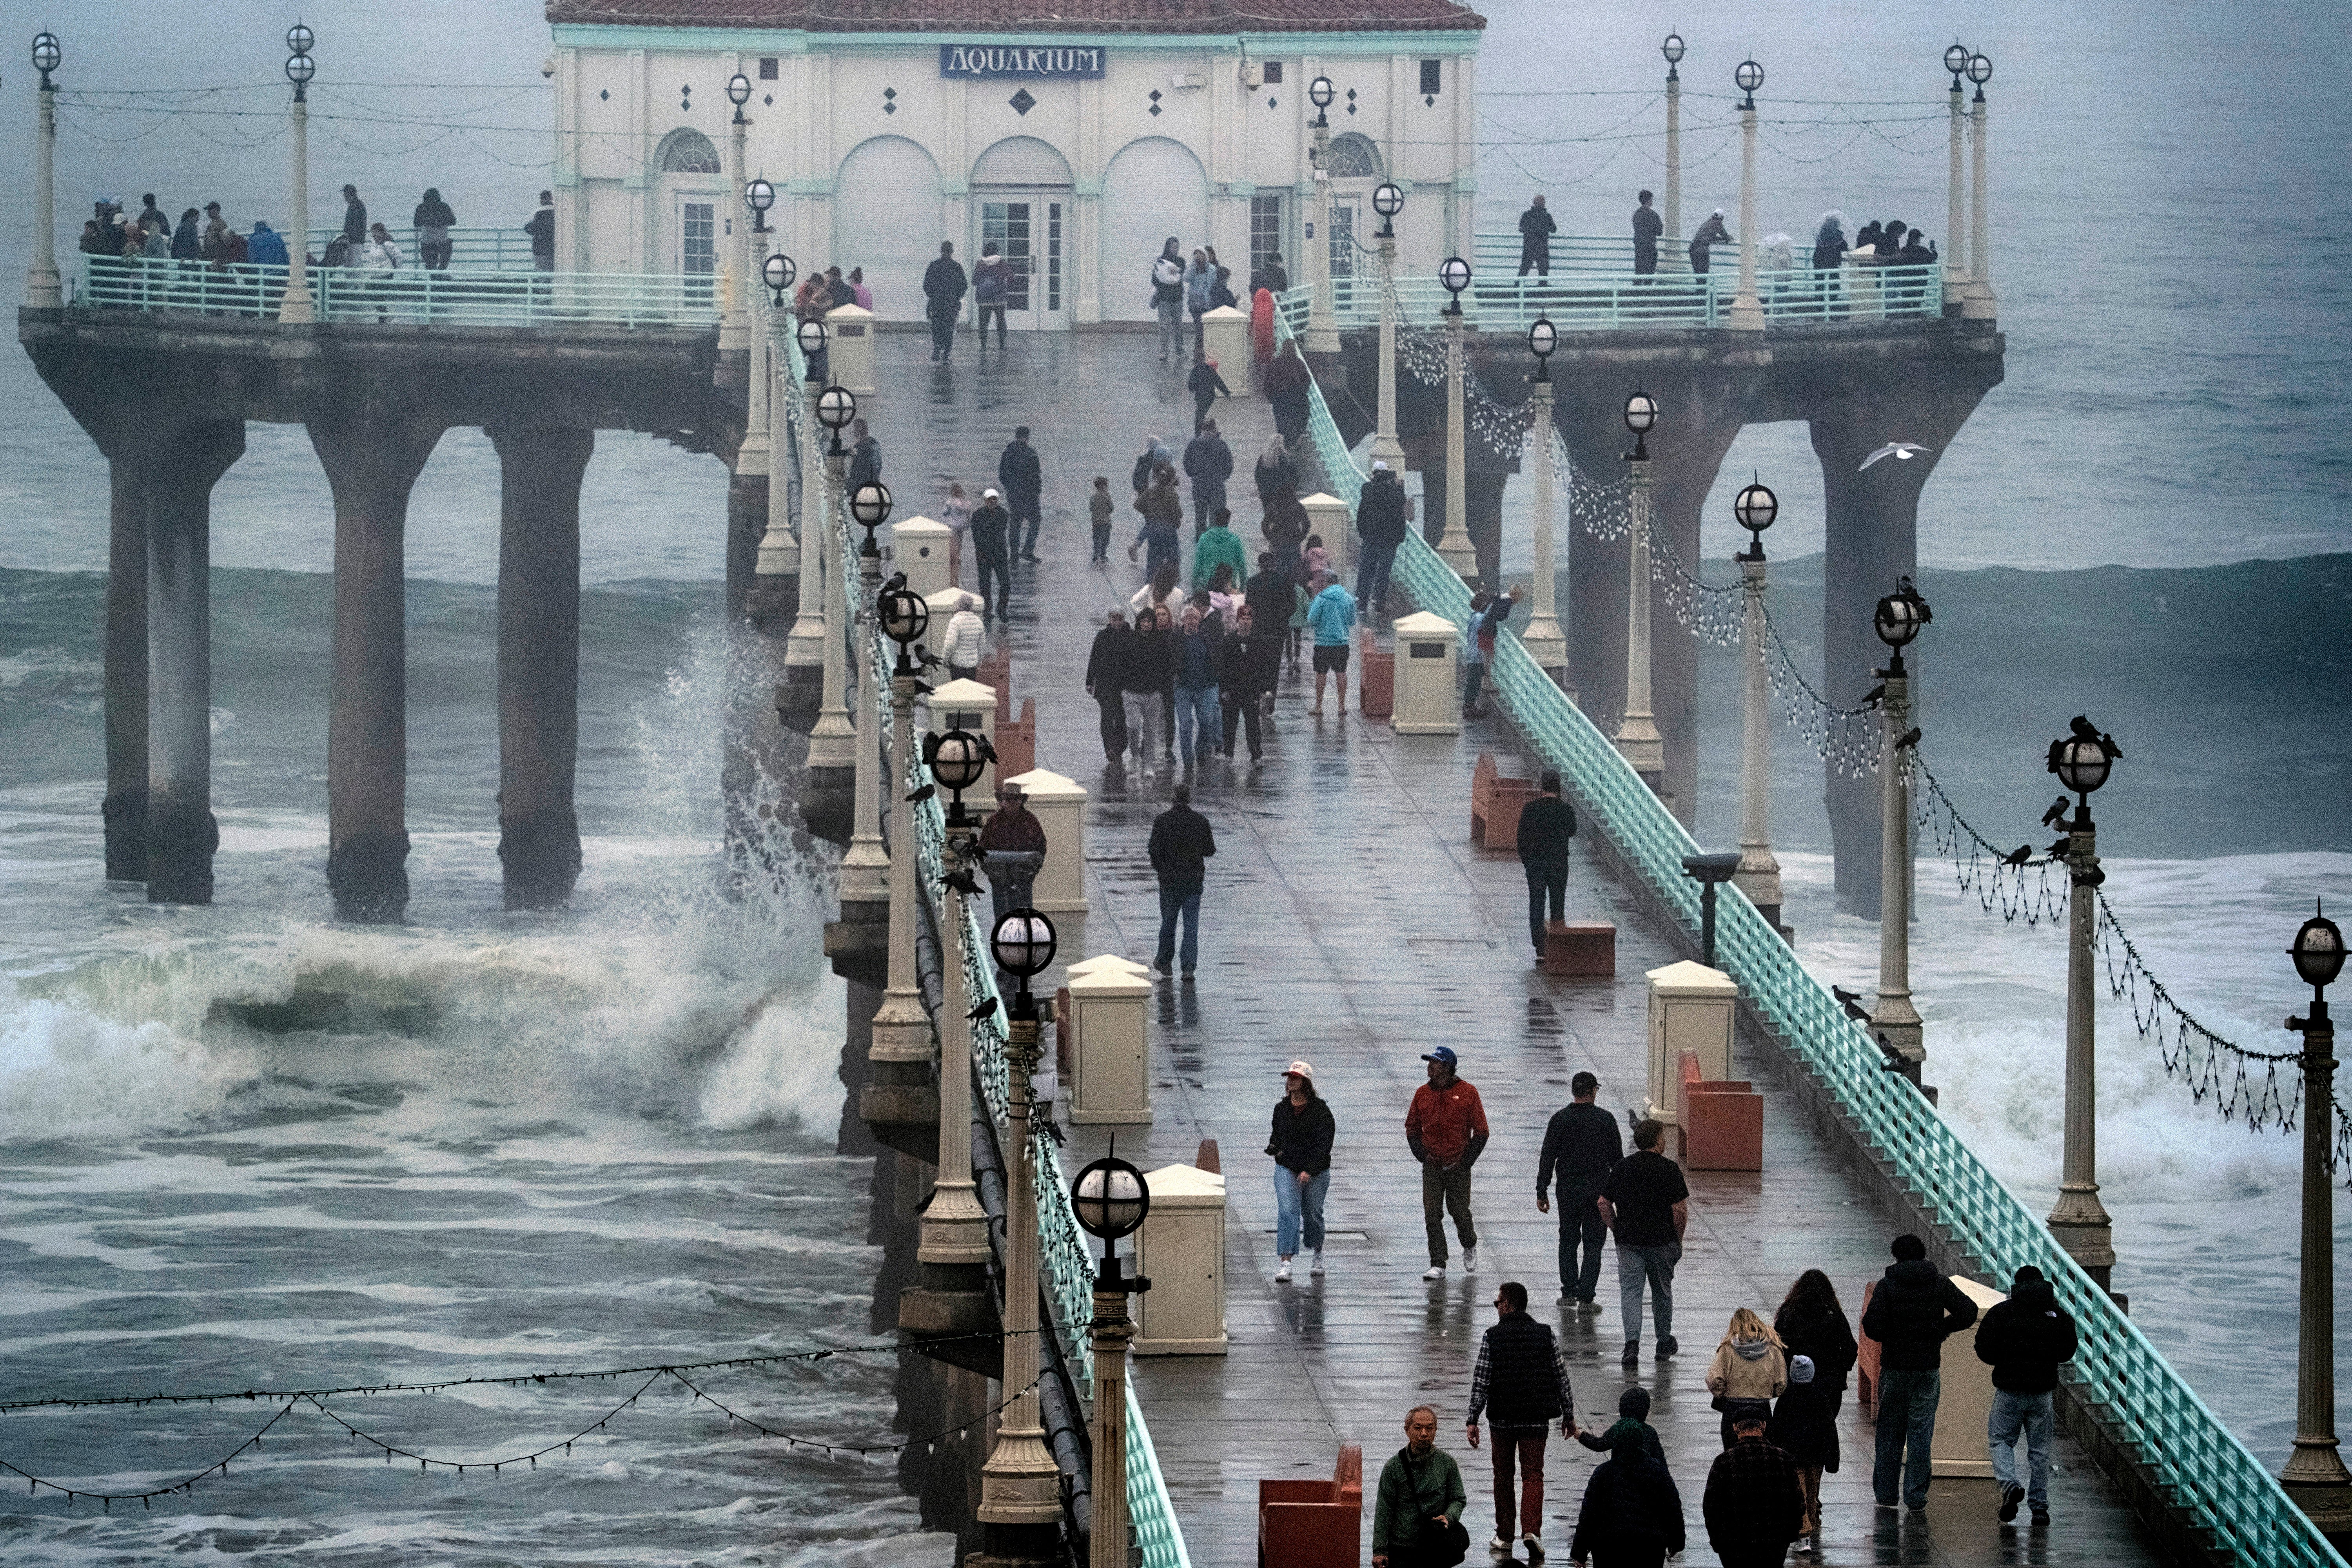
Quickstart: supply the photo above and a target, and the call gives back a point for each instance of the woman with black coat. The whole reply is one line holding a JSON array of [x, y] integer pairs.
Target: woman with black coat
[[1811, 1323], [1300, 1144]]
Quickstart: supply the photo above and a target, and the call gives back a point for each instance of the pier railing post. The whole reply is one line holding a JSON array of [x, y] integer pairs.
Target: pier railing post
[[902, 1030], [832, 743], [1673, 259], [1322, 326], [2080, 1220], [1386, 448], [1981, 304], [955, 1225], [44, 289], [866, 868], [1638, 740], [297, 305], [1895, 1020], [1107, 1543], [1956, 252], [1758, 875], [1453, 546]]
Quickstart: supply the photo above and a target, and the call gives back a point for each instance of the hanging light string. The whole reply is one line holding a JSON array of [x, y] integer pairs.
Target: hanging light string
[[1845, 738], [2021, 886]]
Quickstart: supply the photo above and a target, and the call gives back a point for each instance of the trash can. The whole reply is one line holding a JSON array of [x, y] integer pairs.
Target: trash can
[[1690, 1009], [1428, 647], [1327, 515], [1060, 805], [919, 547], [1110, 1069], [850, 348], [1226, 332], [1182, 1249]]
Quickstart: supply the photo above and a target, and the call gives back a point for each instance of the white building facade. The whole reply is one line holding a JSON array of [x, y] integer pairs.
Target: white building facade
[[1078, 151]]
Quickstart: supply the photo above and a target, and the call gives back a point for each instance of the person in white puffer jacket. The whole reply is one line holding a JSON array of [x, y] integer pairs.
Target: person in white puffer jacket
[[966, 640]]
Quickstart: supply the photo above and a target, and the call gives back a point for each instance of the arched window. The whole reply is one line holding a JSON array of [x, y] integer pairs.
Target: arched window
[[686, 152], [1354, 157]]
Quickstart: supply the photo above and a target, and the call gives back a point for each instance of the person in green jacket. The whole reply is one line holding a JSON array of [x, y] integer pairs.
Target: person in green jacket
[[1417, 1521], [1218, 542]]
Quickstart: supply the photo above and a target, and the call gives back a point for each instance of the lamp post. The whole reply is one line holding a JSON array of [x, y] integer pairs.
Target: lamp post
[[1322, 327], [902, 1030], [1894, 1021], [1746, 309], [2314, 1477], [955, 1225], [2082, 759], [1545, 643], [1453, 547], [298, 306], [735, 325], [780, 552], [1110, 1199], [1979, 304], [1956, 256], [755, 454], [1672, 49], [867, 864], [804, 646], [1387, 200], [833, 742], [1638, 740], [44, 289], [1759, 874], [1020, 1487]]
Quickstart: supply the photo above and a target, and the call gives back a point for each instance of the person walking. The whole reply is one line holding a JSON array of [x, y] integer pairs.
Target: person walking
[[956, 513], [990, 526], [1300, 1144], [1285, 525], [1489, 613], [966, 640], [1753, 1503], [1646, 1205], [1144, 680], [1445, 1128], [1206, 386], [943, 291], [1749, 1368], [1015, 840], [1208, 462], [432, 220], [1168, 297], [838, 290], [1218, 546], [1196, 692], [1161, 593], [1242, 665], [1275, 471], [1804, 1427], [1163, 522], [992, 280], [1580, 1146], [1098, 512], [1547, 827], [540, 227], [1107, 680], [1647, 226], [1380, 524], [378, 259], [1910, 1314], [1536, 229], [1146, 461], [865, 456], [1418, 1508], [1197, 280], [2024, 1340], [1520, 1380], [355, 218], [1182, 844], [1811, 1323], [1287, 381], [1710, 233], [1331, 615], [1269, 275], [1632, 1516], [1631, 1425], [1024, 488]]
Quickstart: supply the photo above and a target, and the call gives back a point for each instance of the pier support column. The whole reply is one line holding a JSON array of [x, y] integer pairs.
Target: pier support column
[[181, 834], [747, 520], [372, 456], [126, 679], [539, 658]]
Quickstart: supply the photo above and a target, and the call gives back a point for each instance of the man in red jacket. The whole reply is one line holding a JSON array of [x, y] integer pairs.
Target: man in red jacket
[[1446, 1130]]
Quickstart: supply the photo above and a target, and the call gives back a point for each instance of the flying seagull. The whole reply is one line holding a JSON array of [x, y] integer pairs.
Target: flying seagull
[[1904, 450]]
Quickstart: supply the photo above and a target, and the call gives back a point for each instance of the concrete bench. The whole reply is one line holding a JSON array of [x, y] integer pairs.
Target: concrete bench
[[1314, 1523], [1720, 1122], [1581, 950], [1495, 801]]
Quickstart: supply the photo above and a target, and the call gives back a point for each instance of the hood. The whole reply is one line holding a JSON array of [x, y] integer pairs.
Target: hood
[[2035, 1295], [1750, 1349], [1912, 1274]]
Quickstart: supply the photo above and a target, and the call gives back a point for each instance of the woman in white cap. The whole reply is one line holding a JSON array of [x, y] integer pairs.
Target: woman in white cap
[[966, 641], [1301, 1147]]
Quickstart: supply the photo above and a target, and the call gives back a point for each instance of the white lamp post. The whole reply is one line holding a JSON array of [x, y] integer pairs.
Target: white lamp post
[[1453, 547], [902, 1030], [955, 1225], [1322, 326], [780, 552], [735, 324], [865, 868], [1672, 49], [804, 646], [755, 454], [298, 306], [1894, 1021], [2314, 1477], [1545, 643], [1956, 254], [44, 289], [1387, 200], [1746, 309], [1638, 740], [2082, 759], [1110, 1199], [1980, 303], [1758, 875], [832, 741]]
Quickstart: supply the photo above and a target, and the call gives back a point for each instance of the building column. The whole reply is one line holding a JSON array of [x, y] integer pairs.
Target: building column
[[539, 469], [182, 835], [372, 459], [126, 679]]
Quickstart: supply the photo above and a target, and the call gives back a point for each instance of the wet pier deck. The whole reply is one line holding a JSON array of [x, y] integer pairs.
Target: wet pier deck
[[1350, 920]]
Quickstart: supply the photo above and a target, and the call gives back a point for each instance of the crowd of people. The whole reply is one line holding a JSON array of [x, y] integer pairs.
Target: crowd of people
[[1891, 243]]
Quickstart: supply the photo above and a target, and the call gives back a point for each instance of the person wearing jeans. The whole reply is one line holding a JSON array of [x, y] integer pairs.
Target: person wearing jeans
[[1580, 1146], [1547, 823], [1300, 1144], [1197, 715], [2023, 1340], [1911, 1313], [1181, 843], [1646, 1205]]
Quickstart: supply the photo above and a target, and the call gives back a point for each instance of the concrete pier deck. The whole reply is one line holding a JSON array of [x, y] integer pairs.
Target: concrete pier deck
[[1349, 919]]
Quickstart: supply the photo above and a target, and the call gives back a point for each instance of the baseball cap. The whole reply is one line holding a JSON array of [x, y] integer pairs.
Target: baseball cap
[[1379, 466], [1443, 1054], [989, 494], [1304, 1070]]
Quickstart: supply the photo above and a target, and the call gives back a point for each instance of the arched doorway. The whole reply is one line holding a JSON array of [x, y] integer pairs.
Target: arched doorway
[[691, 191], [1021, 203], [1154, 189], [887, 219], [1356, 167]]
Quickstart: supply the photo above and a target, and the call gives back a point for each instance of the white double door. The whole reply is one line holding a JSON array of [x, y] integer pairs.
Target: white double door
[[1033, 231]]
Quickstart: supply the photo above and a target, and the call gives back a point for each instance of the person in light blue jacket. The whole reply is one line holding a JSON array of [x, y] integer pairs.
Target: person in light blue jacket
[[1331, 615]]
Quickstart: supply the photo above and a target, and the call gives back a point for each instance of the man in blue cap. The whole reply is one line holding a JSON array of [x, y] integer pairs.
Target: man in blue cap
[[1446, 1130]]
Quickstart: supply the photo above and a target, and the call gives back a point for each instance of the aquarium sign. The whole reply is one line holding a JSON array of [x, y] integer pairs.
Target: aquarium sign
[[1030, 62]]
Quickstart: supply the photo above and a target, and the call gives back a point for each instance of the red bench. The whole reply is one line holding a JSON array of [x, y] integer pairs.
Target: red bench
[[1720, 1122], [1314, 1523], [1495, 804], [1581, 950]]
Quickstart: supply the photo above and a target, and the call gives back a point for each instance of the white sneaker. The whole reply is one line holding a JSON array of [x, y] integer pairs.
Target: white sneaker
[[1499, 1547], [1282, 1275], [1469, 1259], [1534, 1545], [1316, 1267], [1434, 1271]]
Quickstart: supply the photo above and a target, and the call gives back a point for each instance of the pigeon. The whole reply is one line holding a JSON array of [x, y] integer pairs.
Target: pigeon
[[1910, 738], [983, 1011], [2057, 815], [1875, 696], [2086, 730], [1902, 450], [2019, 855], [1852, 1002], [963, 882], [923, 794]]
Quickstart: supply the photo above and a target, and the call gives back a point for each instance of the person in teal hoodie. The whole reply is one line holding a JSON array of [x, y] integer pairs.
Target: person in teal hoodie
[[1331, 615], [1218, 542]]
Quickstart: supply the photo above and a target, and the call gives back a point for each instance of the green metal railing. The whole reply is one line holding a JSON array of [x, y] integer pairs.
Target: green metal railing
[[2202, 1470], [408, 296], [1600, 301], [1067, 1270]]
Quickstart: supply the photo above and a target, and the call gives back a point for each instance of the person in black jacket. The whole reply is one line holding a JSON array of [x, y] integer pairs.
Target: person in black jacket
[[1753, 1503], [1804, 1427], [1547, 823], [1631, 1517], [1181, 843], [1811, 1323], [1242, 679], [1647, 226], [2023, 1340], [864, 457], [1024, 483], [990, 528], [1581, 1146], [1536, 229], [943, 290], [1107, 680], [1300, 1144], [1910, 1315], [1380, 521]]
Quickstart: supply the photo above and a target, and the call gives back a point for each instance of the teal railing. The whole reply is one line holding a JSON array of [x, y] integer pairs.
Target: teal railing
[[1067, 1270], [473, 249], [1601, 301], [2213, 1480], [406, 296]]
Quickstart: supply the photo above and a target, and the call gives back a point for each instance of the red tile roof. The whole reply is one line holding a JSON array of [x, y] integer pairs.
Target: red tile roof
[[1208, 16]]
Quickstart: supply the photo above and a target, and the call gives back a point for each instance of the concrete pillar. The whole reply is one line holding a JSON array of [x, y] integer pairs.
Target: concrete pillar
[[126, 679], [1746, 309], [44, 289], [1453, 543], [1673, 206], [1544, 642], [539, 658], [180, 834], [371, 455], [747, 522]]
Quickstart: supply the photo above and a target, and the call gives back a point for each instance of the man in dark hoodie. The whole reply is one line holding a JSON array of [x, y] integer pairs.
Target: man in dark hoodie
[[1380, 521], [1107, 680], [1912, 1313], [2023, 1339], [1633, 1516]]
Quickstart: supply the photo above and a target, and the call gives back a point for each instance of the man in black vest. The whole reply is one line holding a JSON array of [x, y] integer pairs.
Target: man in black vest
[[1581, 1146], [1522, 1382]]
